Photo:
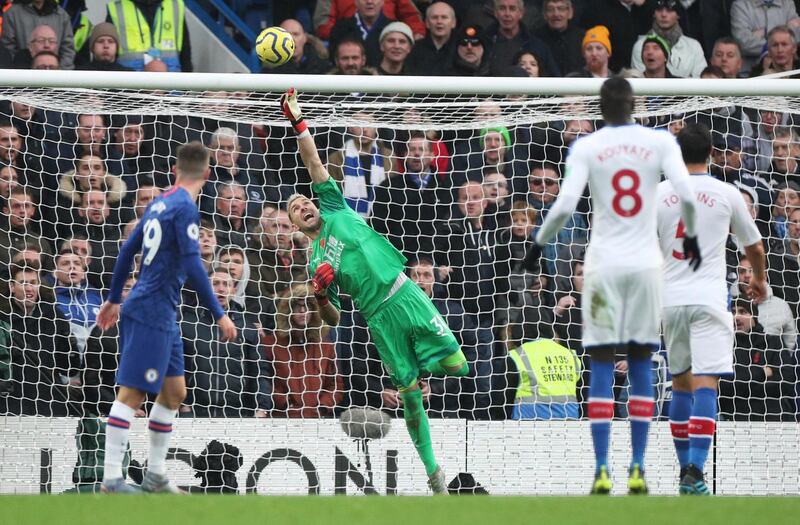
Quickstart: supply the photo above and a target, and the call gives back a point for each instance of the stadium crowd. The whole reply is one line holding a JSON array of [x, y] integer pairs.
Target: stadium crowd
[[461, 206]]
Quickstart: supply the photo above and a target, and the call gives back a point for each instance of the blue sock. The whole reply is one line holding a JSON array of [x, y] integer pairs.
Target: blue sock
[[702, 425], [680, 409], [601, 408], [640, 406]]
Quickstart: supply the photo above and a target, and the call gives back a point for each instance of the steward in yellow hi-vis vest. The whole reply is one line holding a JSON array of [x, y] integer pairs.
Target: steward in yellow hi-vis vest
[[164, 40], [548, 380]]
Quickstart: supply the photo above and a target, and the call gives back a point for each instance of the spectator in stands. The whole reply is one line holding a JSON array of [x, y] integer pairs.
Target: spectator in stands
[[350, 58], [230, 215], [774, 314], [751, 20], [431, 55], [495, 191], [232, 259], [567, 311], [562, 36], [516, 240], [104, 45], [545, 184], [626, 20], [686, 58], [135, 21], [471, 59], [783, 256], [307, 383], [785, 154], [92, 136], [465, 244], [145, 194], [208, 243], [278, 260], [655, 57], [727, 55], [310, 56], [596, 50], [43, 38], [224, 379], [89, 174], [44, 354], [531, 306], [9, 180], [18, 223], [10, 144], [329, 12], [396, 42], [762, 386], [781, 53], [228, 165], [101, 361], [25, 16], [76, 300], [94, 219], [530, 63], [361, 166], [758, 137], [492, 149], [408, 204], [787, 197], [509, 35], [130, 154], [366, 24], [45, 61], [78, 244]]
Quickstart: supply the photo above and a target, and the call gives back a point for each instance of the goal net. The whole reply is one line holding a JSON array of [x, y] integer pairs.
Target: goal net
[[458, 183]]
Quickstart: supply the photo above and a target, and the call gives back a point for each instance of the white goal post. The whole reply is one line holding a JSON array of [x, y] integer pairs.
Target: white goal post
[[131, 123]]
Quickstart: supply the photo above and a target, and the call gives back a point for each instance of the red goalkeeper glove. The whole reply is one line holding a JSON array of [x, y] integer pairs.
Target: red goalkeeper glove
[[291, 109], [323, 277]]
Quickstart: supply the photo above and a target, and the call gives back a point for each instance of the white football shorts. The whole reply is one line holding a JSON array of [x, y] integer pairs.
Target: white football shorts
[[699, 338], [621, 307]]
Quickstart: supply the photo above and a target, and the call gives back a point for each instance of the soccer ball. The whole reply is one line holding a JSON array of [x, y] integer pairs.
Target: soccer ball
[[274, 46]]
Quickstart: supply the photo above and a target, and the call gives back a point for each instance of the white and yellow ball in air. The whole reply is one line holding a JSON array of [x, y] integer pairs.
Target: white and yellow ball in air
[[274, 46]]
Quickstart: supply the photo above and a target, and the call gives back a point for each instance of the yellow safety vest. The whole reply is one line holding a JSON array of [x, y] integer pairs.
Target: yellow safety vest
[[548, 372], [81, 35], [136, 37]]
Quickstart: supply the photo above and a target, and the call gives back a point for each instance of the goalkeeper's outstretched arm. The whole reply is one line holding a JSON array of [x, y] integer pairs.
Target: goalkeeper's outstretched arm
[[308, 149]]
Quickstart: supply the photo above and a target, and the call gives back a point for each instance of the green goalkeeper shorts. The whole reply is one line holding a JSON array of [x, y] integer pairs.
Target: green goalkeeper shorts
[[410, 334]]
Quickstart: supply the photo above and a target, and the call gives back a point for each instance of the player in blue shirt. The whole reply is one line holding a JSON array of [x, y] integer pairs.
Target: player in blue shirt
[[152, 351]]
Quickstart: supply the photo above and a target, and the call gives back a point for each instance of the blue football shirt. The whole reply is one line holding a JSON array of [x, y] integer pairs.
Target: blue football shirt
[[169, 232]]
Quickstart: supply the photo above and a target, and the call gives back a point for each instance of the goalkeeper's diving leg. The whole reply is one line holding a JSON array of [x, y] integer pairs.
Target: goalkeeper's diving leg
[[420, 432]]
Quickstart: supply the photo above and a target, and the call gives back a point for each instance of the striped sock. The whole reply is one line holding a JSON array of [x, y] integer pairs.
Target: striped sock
[[679, 410], [640, 406], [702, 425], [118, 429], [160, 430], [601, 408]]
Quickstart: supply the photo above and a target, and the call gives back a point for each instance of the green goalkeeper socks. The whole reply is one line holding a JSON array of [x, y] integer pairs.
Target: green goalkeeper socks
[[418, 427]]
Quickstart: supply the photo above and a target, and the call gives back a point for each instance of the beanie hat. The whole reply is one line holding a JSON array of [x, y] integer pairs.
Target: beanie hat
[[600, 35], [503, 131], [398, 27], [660, 40], [104, 29]]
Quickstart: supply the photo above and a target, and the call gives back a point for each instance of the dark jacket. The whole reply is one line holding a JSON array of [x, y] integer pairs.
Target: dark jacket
[[102, 65], [475, 280], [256, 191], [43, 355], [502, 51], [407, 215], [426, 60], [625, 26], [101, 361], [565, 46], [224, 379], [349, 28], [752, 396]]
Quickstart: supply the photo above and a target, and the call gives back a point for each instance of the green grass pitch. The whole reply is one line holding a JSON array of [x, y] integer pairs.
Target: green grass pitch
[[484, 510]]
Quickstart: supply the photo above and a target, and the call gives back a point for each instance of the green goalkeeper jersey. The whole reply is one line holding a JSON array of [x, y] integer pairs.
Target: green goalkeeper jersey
[[365, 264]]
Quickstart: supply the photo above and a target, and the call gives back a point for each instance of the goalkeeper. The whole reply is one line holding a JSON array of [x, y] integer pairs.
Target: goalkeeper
[[350, 257]]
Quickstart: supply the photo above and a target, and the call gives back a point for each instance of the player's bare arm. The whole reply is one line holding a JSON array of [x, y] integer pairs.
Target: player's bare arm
[[308, 149]]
